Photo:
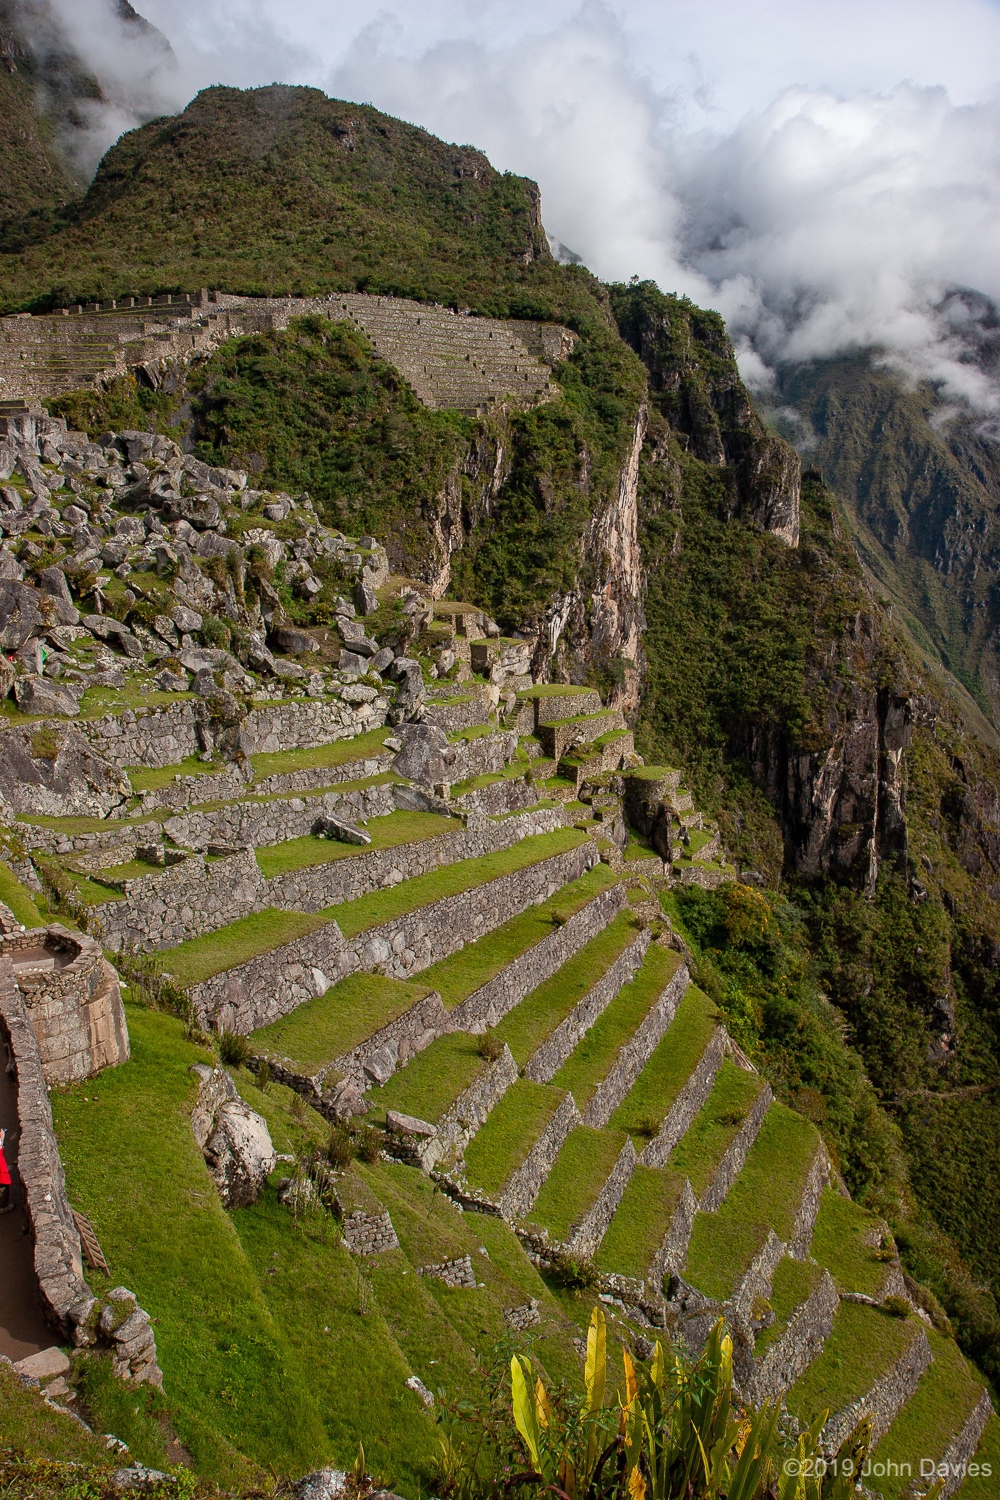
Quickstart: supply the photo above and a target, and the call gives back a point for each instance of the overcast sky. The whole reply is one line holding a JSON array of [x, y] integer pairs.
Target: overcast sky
[[823, 173]]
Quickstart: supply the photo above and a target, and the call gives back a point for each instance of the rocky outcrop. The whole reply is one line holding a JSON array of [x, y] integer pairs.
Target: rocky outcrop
[[233, 1138], [57, 773]]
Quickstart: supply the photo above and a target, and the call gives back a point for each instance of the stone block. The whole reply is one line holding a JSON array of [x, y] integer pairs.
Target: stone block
[[44, 1365]]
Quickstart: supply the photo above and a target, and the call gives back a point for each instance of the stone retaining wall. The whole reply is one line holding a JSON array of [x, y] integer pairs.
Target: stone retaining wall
[[269, 986], [585, 1236], [188, 791], [509, 795], [263, 823], [802, 1341], [755, 1283], [183, 901], [885, 1399], [313, 777], [158, 737], [688, 1102], [962, 1450], [368, 1234], [669, 1259], [808, 1209], [458, 1273], [734, 1159], [112, 836], [485, 755], [376, 1058], [318, 886], [636, 1052], [469, 1113], [487, 1006], [527, 1181], [550, 1056]]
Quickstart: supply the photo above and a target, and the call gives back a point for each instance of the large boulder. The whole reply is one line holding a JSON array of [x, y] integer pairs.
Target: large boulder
[[292, 641], [426, 756], [200, 511], [411, 693], [234, 1139], [19, 614], [54, 772], [37, 695], [52, 581]]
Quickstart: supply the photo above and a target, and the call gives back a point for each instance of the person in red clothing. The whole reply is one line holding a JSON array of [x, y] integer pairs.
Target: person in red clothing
[[5, 1199]]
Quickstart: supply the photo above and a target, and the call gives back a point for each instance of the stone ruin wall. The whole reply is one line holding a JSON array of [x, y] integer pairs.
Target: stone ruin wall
[[75, 1012]]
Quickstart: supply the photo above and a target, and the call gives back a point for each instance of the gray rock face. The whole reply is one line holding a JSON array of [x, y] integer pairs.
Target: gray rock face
[[19, 614], [36, 695], [325, 1484], [410, 697], [186, 619], [52, 581], [347, 833], [365, 598], [78, 782], [293, 641], [234, 1139], [201, 511], [402, 1124], [426, 756]]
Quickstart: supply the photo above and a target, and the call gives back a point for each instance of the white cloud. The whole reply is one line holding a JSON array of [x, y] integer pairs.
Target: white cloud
[[824, 175]]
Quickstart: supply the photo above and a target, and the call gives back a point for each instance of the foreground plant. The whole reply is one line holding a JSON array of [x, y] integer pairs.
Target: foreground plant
[[675, 1432]]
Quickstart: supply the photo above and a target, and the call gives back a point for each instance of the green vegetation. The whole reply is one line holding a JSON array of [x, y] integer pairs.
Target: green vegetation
[[528, 1024], [711, 1132], [510, 1132], [594, 1054], [370, 911], [154, 778], [200, 958], [669, 1068], [341, 753], [932, 1417], [864, 1345], [793, 1282], [641, 1221], [386, 833], [847, 1240], [329, 1025], [432, 1080], [577, 1177], [18, 898], [766, 1195], [35, 1429], [133, 1166]]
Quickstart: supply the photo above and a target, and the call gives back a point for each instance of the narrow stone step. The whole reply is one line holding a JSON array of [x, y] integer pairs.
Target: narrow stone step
[[884, 1400], [586, 1235], [733, 1161], [800, 1342], [636, 1052]]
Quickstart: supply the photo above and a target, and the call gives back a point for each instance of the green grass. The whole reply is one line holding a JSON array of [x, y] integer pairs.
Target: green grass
[[340, 753], [448, 880], [711, 1131], [510, 1132], [201, 957], [933, 1416], [636, 849], [794, 1281], [432, 1080], [528, 1024], [516, 771], [765, 1196], [341, 1348], [669, 1068], [863, 1346], [329, 1025], [133, 1166], [18, 898], [988, 1453], [577, 1177], [839, 1243], [595, 1053], [640, 1222], [401, 827], [151, 779], [460, 975], [38, 1431]]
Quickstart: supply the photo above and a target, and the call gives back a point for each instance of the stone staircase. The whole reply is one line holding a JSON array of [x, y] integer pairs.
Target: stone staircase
[[450, 360]]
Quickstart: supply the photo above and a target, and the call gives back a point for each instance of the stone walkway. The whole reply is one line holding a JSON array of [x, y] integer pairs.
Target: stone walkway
[[23, 1330]]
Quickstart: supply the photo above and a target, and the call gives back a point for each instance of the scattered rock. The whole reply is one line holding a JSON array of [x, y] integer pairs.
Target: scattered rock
[[294, 642], [43, 1365], [325, 1484], [414, 1383], [19, 615], [401, 1124], [138, 1477], [234, 1139], [347, 833]]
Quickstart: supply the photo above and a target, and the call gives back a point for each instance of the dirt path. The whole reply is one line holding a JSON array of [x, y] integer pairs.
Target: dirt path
[[23, 1330]]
